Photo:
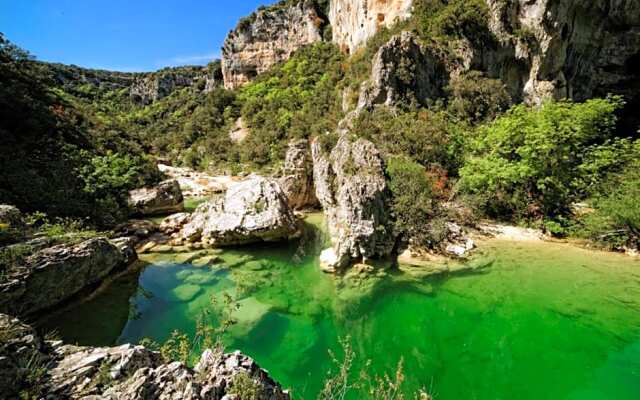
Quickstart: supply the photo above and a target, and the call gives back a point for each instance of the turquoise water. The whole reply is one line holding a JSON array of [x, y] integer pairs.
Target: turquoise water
[[542, 321]]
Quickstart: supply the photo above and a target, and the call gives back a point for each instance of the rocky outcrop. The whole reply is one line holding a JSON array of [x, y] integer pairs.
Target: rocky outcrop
[[125, 372], [55, 274], [198, 184], [297, 176], [354, 22], [565, 49], [144, 88], [165, 198], [151, 87], [266, 38], [12, 224], [253, 210], [403, 71], [351, 186]]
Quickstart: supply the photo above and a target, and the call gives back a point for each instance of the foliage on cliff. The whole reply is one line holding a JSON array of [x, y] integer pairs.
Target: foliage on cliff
[[297, 99]]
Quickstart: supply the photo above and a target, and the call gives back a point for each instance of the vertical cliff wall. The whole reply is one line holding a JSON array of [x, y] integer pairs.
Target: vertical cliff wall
[[266, 38], [355, 21]]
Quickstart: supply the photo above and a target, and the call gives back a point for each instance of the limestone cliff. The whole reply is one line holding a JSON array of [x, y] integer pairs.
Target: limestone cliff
[[564, 49], [355, 21], [266, 38]]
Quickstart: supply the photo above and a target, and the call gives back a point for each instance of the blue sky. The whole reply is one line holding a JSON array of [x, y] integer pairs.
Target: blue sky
[[123, 35]]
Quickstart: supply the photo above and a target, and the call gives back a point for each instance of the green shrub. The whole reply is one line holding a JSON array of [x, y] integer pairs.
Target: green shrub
[[531, 162], [616, 219], [297, 99], [414, 207]]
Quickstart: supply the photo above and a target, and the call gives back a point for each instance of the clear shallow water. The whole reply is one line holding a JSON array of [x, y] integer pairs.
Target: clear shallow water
[[543, 321]]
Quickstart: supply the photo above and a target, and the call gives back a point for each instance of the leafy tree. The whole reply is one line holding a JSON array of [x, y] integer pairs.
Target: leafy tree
[[530, 162]]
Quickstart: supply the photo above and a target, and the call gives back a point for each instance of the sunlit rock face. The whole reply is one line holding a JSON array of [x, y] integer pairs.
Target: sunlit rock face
[[254, 210], [267, 38], [351, 186], [355, 21]]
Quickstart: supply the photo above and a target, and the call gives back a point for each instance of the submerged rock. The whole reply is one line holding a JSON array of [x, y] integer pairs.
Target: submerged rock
[[253, 210], [351, 186], [297, 176], [123, 372], [165, 198], [55, 274]]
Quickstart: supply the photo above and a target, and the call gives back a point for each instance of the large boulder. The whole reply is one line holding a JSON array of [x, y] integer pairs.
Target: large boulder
[[55, 274], [403, 71], [165, 198], [351, 186], [297, 176], [253, 210], [12, 223], [125, 372]]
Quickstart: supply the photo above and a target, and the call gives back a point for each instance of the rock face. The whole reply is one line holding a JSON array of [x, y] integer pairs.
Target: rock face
[[163, 199], [355, 21], [565, 49], [266, 38], [403, 70], [126, 372], [351, 186], [148, 88], [297, 176], [55, 274], [253, 210]]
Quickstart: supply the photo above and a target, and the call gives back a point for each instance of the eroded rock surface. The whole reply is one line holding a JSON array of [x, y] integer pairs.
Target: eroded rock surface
[[125, 372], [353, 22], [351, 186], [297, 176], [253, 210], [55, 274], [266, 38], [403, 71], [565, 49], [164, 198]]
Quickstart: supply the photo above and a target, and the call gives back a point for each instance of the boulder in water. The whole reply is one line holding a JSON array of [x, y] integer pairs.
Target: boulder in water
[[254, 210], [165, 198], [351, 186]]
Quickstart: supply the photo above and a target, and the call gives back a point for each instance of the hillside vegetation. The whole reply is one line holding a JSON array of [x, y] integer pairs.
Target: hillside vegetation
[[76, 149]]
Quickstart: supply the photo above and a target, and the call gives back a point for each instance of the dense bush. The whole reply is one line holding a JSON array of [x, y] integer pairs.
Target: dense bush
[[430, 138], [415, 206], [615, 220], [534, 162]]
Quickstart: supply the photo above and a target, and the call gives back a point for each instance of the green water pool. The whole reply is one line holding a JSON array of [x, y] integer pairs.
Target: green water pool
[[542, 321]]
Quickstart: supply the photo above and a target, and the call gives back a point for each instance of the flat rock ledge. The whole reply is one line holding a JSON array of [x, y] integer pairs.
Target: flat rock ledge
[[254, 210], [55, 274], [125, 372]]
